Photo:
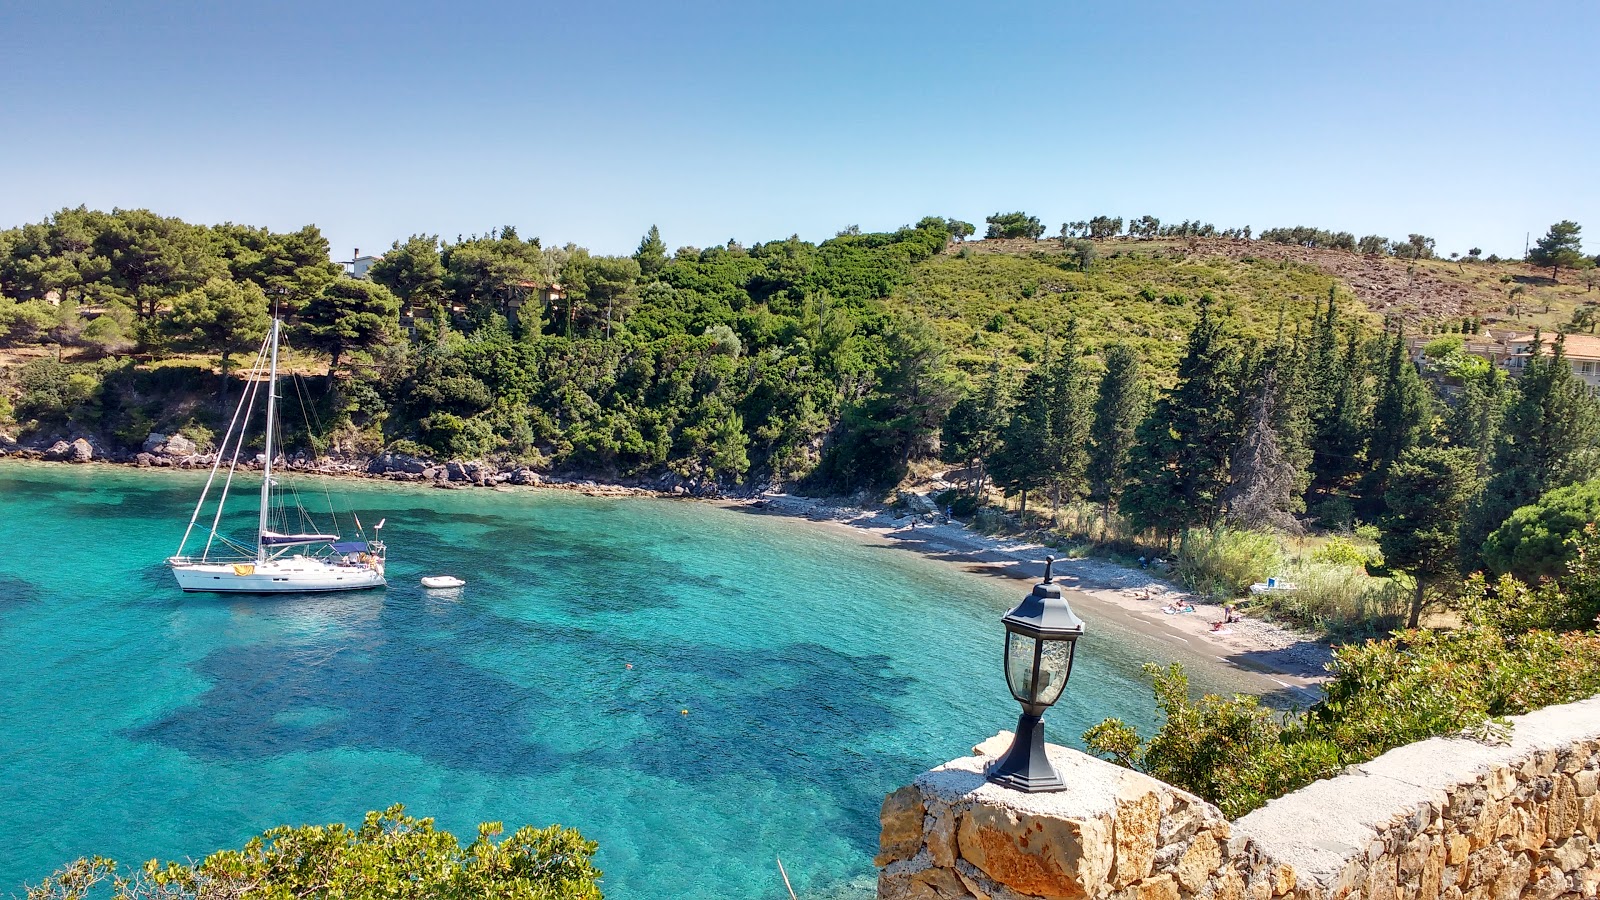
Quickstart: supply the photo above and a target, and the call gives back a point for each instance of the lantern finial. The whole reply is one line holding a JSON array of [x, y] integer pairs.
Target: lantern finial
[[1049, 561]]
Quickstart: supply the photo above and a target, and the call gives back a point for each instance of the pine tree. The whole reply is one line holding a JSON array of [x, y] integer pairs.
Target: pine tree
[[652, 253], [1427, 492], [1546, 441], [1121, 401], [1178, 468], [1399, 419], [1561, 246]]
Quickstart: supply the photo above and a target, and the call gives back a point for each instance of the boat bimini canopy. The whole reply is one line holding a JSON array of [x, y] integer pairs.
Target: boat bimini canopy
[[273, 539]]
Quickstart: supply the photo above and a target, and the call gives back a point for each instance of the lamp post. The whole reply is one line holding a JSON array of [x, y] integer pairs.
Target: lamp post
[[1041, 635]]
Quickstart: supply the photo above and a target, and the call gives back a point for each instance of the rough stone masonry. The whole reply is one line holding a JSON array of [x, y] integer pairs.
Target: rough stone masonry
[[1443, 819]]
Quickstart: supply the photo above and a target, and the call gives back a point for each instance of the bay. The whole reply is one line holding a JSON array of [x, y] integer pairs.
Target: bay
[[698, 689]]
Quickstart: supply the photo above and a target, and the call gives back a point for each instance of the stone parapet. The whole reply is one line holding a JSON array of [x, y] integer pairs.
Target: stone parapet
[[1443, 819]]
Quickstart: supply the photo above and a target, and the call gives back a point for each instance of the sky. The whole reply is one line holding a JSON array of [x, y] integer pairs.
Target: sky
[[1474, 123]]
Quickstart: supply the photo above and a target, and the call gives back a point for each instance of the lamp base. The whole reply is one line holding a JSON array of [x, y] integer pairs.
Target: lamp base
[[1025, 767]]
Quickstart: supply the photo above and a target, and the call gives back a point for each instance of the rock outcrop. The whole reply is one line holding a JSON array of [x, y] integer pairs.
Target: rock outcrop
[[174, 446]]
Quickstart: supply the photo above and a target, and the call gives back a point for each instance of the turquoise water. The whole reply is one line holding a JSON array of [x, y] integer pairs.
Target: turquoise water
[[819, 671]]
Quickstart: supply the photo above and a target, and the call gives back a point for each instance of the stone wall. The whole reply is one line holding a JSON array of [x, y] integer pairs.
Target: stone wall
[[1444, 818]]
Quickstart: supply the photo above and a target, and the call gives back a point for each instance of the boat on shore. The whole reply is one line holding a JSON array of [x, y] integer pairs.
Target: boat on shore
[[290, 554]]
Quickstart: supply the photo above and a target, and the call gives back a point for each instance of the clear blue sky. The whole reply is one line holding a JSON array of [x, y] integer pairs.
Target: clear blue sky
[[1470, 122]]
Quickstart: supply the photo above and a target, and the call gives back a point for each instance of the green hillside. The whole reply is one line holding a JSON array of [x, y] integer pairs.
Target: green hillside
[[986, 301]]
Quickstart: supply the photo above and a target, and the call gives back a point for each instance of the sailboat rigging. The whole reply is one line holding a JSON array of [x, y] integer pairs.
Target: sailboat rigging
[[284, 560]]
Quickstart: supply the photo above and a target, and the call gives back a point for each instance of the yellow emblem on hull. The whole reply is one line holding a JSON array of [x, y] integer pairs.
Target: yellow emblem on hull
[[244, 570]]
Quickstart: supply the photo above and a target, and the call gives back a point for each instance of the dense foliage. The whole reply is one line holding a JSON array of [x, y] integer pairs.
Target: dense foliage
[[1505, 660], [390, 855]]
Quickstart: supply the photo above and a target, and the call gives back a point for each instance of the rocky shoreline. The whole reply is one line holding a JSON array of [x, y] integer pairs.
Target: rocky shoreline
[[161, 451]]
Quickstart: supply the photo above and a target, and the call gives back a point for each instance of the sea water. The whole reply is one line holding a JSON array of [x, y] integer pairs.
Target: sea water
[[700, 690]]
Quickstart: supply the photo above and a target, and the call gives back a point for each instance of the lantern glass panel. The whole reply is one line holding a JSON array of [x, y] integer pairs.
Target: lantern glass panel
[[1055, 663], [1019, 665]]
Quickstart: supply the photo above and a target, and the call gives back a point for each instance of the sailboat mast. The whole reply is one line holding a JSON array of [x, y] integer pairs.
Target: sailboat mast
[[266, 475]]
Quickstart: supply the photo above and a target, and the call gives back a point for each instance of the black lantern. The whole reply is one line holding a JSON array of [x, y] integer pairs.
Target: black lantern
[[1041, 635]]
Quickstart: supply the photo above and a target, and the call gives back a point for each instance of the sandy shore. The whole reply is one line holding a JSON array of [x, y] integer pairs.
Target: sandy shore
[[1288, 662]]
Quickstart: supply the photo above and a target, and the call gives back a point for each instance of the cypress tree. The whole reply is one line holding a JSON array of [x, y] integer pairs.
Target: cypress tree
[[1019, 466], [1067, 448], [1178, 468], [1121, 401], [1474, 424], [1399, 419], [1547, 441]]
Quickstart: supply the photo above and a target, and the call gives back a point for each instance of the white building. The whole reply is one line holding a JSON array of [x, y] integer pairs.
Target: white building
[[357, 265]]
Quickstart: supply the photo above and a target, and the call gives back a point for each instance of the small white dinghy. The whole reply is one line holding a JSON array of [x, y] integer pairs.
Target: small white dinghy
[[442, 581]]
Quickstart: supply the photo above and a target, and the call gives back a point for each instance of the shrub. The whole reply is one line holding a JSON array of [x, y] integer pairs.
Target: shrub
[[1439, 348], [1341, 551], [1339, 599], [1223, 562], [1537, 541], [391, 855], [1384, 694]]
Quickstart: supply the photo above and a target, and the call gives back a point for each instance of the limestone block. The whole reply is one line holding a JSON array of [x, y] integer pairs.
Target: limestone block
[[1383, 882], [1228, 886], [1527, 830], [81, 451], [1044, 856], [1282, 880], [1459, 847], [1586, 782], [1561, 816], [922, 884], [1513, 877], [1161, 887], [941, 834], [994, 746], [1199, 861], [1571, 853], [1549, 883], [901, 818], [1135, 830]]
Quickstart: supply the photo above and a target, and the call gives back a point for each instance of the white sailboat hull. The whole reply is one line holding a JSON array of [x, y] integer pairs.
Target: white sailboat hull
[[292, 575]]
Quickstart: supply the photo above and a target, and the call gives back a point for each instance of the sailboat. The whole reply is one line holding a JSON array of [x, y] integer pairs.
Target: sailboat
[[287, 558]]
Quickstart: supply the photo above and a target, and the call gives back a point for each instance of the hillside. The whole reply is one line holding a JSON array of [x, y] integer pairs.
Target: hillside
[[1007, 296], [834, 362], [1004, 295]]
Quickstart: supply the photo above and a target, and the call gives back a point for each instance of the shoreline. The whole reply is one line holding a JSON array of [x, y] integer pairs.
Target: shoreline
[[1285, 661]]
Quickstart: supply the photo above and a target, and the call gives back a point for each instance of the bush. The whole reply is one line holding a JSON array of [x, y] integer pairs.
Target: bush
[[1223, 562], [1384, 694], [1537, 541], [1339, 599], [1439, 348], [391, 855]]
